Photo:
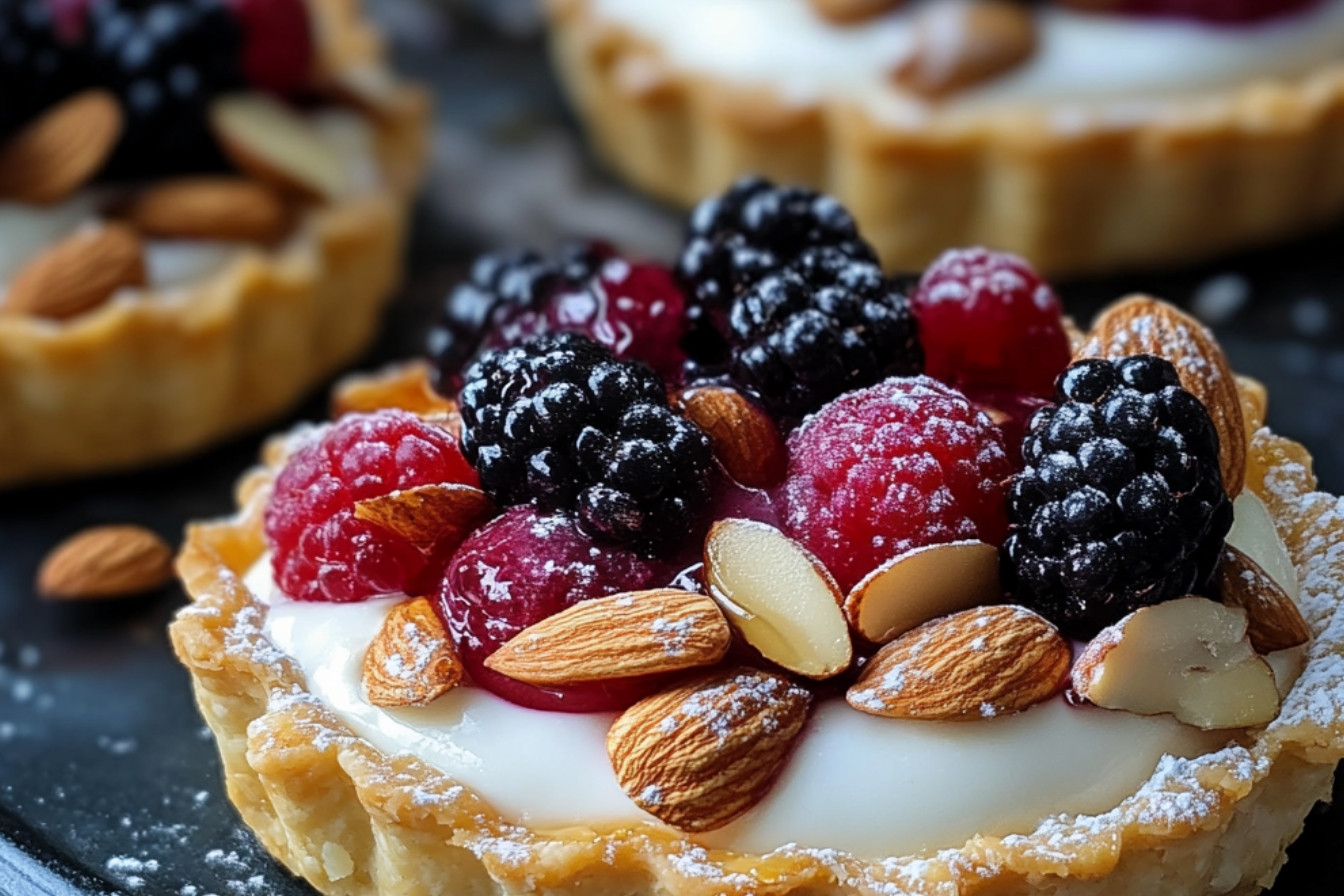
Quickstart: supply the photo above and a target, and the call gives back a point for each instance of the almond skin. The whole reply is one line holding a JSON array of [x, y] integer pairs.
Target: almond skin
[[746, 441], [78, 274], [620, 636], [104, 562], [1143, 325], [700, 755], [978, 663], [959, 43], [411, 661], [1273, 621], [210, 208], [432, 515], [61, 151]]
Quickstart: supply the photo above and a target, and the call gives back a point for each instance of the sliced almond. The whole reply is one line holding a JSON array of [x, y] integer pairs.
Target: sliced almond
[[980, 663], [411, 660], [1144, 325], [58, 153], [78, 274], [700, 755], [372, 89], [277, 146], [106, 561], [210, 208], [745, 439], [1254, 534], [620, 636], [1188, 657], [850, 12], [779, 596], [1273, 620], [960, 43], [922, 584], [405, 386], [428, 515]]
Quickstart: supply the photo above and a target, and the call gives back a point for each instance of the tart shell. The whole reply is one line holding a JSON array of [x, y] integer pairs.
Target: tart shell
[[354, 821], [1084, 192], [148, 376]]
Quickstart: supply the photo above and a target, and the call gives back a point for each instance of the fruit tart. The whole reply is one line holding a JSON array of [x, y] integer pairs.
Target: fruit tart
[[202, 211], [762, 573], [1086, 135]]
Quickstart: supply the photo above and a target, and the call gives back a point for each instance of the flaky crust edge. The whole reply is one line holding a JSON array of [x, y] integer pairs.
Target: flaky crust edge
[[1087, 194], [159, 376], [356, 822]]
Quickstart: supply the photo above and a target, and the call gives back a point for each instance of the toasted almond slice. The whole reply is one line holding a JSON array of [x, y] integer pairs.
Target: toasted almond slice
[[850, 12], [959, 43], [428, 515], [1188, 657], [746, 441], [405, 386], [1254, 534], [78, 274], [1273, 620], [372, 89], [922, 584], [979, 663], [700, 755], [411, 660], [210, 208], [779, 597], [1144, 325], [277, 146], [58, 153], [619, 636], [106, 561]]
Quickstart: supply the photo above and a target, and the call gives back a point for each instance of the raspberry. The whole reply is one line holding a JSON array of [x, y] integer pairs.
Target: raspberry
[[1121, 504], [321, 552], [278, 47], [987, 319], [1227, 12], [521, 568], [900, 465]]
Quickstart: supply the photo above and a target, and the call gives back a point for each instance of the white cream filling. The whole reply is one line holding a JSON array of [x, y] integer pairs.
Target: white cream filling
[[870, 786], [784, 45]]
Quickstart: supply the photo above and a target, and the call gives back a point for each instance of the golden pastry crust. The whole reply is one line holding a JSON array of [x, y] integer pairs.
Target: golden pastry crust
[[153, 376], [357, 822], [1188, 180]]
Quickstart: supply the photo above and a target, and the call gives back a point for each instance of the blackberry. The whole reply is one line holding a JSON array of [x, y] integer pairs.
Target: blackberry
[[36, 68], [165, 60], [559, 422], [1121, 504], [821, 325], [499, 286]]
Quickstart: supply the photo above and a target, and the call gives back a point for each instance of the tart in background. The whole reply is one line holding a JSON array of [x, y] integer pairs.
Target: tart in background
[[1083, 136], [181, 270]]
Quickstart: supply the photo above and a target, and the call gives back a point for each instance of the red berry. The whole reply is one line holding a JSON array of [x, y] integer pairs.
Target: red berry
[[278, 48], [987, 319], [1227, 12], [906, 463], [320, 550], [521, 568]]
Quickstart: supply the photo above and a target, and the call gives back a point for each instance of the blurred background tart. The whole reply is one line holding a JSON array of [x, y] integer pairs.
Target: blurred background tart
[[1086, 135], [202, 206]]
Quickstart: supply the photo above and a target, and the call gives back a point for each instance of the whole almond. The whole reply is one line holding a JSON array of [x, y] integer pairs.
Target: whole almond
[[411, 660], [850, 12], [700, 755], [1273, 620], [61, 151], [619, 636], [978, 663], [745, 439], [106, 561], [210, 208], [960, 43], [78, 274], [1143, 325], [432, 515]]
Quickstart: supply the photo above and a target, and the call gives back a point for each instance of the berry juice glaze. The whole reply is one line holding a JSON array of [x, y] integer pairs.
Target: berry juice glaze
[[858, 783]]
